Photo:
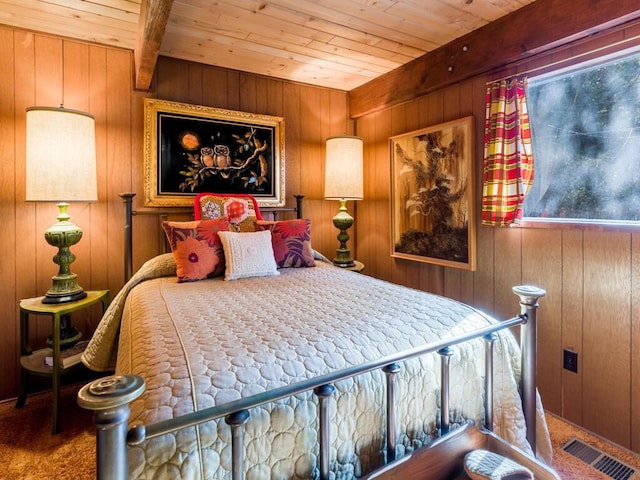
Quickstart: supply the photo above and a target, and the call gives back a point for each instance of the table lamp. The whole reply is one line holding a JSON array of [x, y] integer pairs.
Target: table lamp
[[61, 166], [343, 181]]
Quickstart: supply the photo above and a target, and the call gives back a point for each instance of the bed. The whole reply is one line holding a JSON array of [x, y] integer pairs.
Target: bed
[[308, 371]]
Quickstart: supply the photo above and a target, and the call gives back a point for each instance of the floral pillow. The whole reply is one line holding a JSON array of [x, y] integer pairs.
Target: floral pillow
[[196, 248], [291, 240], [240, 210]]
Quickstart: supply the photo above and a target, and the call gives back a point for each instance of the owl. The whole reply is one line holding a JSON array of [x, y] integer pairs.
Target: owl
[[222, 156], [206, 156]]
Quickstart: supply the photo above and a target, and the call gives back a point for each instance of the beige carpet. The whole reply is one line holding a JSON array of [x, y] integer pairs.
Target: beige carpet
[[29, 451], [571, 468]]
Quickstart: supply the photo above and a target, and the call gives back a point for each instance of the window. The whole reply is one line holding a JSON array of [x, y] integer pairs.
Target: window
[[586, 140]]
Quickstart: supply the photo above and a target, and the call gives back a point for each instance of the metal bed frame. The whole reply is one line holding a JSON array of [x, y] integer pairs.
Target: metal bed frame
[[109, 397]]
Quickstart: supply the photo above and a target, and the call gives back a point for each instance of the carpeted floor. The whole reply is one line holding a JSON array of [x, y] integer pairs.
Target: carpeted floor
[[29, 451], [571, 468]]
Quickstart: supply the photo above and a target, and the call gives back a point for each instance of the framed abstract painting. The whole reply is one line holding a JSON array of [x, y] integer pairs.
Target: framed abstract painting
[[432, 195]]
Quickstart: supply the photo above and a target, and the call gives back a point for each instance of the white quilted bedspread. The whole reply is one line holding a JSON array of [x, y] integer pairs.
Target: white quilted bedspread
[[204, 343]]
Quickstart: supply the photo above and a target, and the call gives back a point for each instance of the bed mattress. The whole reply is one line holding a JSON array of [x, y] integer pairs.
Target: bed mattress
[[204, 343]]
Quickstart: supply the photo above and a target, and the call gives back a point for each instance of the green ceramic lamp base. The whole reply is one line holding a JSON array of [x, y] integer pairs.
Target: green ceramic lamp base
[[343, 221], [63, 235]]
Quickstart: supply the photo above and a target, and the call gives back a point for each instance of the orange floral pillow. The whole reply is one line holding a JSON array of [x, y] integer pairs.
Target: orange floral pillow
[[291, 241], [240, 210], [196, 248]]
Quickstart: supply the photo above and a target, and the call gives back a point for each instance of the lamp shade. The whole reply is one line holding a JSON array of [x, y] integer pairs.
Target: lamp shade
[[343, 168], [61, 155]]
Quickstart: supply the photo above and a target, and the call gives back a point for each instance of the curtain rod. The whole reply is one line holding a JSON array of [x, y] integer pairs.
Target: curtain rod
[[565, 60]]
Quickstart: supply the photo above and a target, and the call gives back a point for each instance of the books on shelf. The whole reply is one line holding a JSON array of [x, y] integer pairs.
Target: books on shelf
[[69, 356]]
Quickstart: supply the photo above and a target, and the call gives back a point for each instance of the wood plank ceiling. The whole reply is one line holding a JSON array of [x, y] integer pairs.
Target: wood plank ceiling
[[335, 43]]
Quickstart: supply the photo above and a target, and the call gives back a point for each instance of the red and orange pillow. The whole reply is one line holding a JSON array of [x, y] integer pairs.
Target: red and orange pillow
[[197, 248]]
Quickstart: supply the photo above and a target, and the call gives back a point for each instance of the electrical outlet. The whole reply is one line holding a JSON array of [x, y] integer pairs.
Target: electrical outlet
[[570, 361]]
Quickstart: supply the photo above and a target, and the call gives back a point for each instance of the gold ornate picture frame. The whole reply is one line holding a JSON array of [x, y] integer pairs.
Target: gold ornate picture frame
[[432, 195], [190, 149]]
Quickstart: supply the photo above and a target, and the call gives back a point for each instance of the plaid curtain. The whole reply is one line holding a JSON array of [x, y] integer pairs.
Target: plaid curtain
[[508, 153]]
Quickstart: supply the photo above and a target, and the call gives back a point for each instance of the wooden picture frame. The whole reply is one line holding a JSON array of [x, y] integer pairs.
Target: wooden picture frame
[[432, 195], [190, 149]]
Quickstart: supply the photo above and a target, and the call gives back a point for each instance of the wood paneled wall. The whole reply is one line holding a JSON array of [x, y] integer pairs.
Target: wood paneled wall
[[593, 300], [590, 275], [44, 70]]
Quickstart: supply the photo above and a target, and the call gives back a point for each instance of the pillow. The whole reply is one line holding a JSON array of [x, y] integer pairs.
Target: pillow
[[291, 240], [248, 255], [240, 210], [196, 248], [485, 465]]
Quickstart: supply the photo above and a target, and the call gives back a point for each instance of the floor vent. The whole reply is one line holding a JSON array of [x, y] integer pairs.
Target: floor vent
[[600, 460]]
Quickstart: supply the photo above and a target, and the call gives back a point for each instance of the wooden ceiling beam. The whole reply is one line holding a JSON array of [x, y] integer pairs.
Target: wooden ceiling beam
[[537, 27], [154, 15]]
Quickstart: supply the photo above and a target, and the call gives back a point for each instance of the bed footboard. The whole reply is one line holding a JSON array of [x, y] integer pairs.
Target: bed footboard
[[110, 397]]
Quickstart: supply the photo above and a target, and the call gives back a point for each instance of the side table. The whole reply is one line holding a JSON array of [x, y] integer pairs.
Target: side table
[[33, 362], [358, 267]]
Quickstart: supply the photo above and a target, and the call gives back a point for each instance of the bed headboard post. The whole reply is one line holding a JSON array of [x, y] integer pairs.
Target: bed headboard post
[[299, 199], [529, 296], [109, 398], [128, 234]]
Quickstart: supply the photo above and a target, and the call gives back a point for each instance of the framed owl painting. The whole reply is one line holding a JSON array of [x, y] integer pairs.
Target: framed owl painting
[[190, 149]]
